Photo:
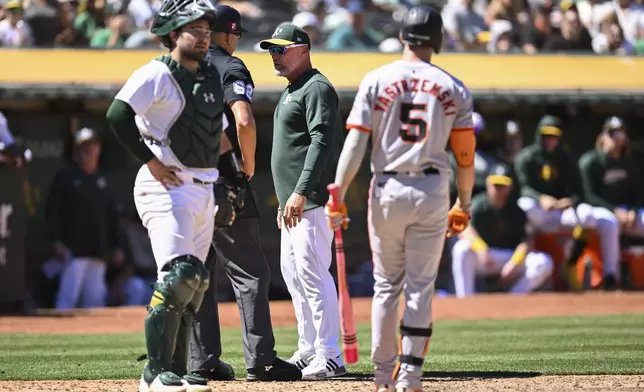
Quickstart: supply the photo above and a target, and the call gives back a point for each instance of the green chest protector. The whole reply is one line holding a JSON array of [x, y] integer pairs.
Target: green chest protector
[[195, 135]]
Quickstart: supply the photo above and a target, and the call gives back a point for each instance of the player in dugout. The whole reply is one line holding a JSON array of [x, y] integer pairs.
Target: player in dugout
[[551, 196], [498, 242], [611, 179]]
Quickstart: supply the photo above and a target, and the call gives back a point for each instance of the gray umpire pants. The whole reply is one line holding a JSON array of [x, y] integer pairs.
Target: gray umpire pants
[[247, 269]]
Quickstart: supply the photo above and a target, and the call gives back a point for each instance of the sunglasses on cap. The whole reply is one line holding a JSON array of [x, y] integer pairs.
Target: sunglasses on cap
[[280, 50]]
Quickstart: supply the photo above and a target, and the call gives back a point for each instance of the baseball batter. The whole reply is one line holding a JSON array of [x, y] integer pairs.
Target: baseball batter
[[170, 115], [411, 110]]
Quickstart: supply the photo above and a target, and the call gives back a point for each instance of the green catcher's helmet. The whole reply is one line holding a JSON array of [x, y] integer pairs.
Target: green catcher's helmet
[[174, 14]]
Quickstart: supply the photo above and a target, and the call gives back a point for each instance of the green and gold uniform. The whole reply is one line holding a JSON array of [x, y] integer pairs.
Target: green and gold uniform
[[501, 228], [610, 182], [541, 172], [306, 140]]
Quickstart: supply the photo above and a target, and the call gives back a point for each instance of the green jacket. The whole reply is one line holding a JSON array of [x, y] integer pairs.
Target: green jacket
[[609, 182], [547, 173]]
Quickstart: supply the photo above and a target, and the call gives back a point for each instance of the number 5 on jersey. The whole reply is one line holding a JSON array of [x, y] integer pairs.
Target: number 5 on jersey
[[414, 126]]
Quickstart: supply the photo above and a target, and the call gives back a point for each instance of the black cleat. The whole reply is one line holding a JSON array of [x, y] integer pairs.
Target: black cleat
[[221, 372], [610, 283], [279, 370]]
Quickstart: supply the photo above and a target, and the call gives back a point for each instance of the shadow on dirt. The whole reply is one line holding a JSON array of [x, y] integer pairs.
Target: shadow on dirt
[[447, 376]]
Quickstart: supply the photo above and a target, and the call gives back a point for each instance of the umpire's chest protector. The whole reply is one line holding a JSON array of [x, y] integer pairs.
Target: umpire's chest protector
[[195, 134]]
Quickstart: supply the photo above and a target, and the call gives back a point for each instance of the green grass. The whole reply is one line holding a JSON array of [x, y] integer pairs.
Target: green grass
[[573, 345]]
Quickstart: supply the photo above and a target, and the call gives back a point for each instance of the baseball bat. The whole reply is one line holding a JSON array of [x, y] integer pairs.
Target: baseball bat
[[347, 324]]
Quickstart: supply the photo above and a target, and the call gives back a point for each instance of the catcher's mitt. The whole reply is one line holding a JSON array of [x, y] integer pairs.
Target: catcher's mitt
[[226, 196]]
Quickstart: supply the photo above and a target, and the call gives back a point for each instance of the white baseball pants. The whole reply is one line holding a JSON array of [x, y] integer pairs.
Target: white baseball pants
[[305, 258], [466, 266], [180, 221], [589, 217]]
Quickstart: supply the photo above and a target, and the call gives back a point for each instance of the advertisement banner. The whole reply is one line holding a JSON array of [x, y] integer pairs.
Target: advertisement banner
[[345, 70]]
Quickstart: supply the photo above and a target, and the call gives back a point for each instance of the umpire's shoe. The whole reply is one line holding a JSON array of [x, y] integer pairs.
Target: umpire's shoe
[[221, 372], [279, 370]]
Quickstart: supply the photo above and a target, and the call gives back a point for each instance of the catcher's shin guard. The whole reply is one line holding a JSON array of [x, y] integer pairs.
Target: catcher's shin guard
[[169, 301], [180, 357]]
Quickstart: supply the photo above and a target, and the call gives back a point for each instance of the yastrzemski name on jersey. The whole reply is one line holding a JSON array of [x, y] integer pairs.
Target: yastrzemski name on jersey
[[402, 87], [411, 109]]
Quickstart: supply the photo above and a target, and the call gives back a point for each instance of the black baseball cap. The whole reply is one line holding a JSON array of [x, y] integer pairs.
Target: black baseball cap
[[286, 34], [228, 20]]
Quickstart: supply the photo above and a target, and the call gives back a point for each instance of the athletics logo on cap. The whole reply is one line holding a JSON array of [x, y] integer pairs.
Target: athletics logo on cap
[[233, 26]]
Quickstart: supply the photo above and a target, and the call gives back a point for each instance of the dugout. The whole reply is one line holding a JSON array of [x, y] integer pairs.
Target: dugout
[[45, 104]]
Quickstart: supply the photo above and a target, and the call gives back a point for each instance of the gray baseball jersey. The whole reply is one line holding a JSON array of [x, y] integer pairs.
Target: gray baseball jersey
[[410, 109]]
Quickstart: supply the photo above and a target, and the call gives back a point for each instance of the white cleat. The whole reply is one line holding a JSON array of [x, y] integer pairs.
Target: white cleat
[[321, 367], [409, 390], [299, 360], [385, 388], [158, 386], [196, 387]]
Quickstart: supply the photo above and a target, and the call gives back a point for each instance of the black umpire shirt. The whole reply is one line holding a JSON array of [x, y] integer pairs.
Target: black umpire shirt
[[238, 85]]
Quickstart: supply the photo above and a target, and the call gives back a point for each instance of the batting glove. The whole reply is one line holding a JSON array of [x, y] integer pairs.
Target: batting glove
[[457, 221], [337, 218]]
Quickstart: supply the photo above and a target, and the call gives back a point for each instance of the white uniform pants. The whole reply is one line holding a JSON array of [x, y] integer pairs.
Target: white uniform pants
[[467, 265], [598, 218], [82, 284], [305, 259], [407, 220], [180, 221]]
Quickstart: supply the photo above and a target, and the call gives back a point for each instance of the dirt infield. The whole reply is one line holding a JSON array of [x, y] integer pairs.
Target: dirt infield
[[118, 320]]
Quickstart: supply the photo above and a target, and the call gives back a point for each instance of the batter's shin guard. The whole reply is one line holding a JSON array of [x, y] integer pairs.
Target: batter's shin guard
[[165, 312], [180, 357], [409, 367]]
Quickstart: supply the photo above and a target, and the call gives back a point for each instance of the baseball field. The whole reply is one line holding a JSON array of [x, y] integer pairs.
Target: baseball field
[[541, 342]]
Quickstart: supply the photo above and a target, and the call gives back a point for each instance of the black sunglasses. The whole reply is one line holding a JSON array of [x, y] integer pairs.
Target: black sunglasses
[[237, 33], [280, 50]]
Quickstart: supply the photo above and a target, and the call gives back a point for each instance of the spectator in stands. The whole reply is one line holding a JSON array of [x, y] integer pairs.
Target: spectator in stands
[[14, 31], [498, 242], [83, 225], [533, 36], [118, 27], [511, 10], [611, 41], [629, 15], [143, 12], [45, 21], [591, 14], [611, 178], [501, 38], [354, 35], [308, 22], [465, 25], [573, 37], [91, 17]]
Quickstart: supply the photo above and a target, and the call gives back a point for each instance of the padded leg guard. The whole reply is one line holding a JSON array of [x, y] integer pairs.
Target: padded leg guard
[[168, 304], [180, 357], [414, 343]]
